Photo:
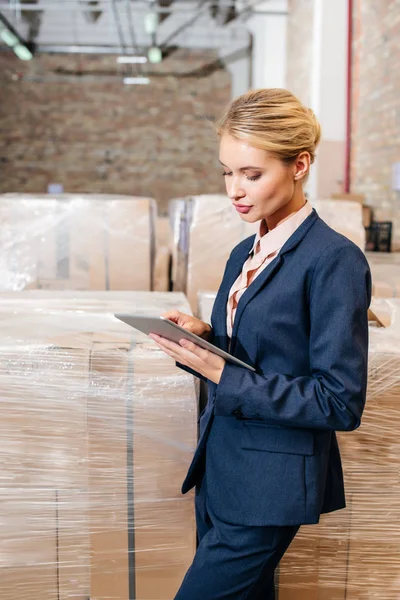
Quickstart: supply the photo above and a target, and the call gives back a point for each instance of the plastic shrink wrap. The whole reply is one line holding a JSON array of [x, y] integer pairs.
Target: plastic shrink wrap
[[354, 554], [163, 256], [80, 242], [206, 229], [385, 269], [97, 429], [205, 301], [345, 217]]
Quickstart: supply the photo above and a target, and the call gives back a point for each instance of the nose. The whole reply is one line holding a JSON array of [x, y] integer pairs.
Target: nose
[[233, 189]]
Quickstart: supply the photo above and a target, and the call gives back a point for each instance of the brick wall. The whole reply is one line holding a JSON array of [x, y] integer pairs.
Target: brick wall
[[299, 57], [91, 133], [376, 106]]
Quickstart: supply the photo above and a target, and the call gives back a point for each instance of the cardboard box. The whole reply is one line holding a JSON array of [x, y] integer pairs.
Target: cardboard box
[[163, 255], [367, 215], [78, 242], [360, 198], [345, 217], [385, 271], [44, 551], [315, 566], [205, 303], [105, 425], [207, 230]]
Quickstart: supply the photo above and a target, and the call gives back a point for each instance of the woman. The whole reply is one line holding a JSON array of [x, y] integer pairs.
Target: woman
[[292, 303]]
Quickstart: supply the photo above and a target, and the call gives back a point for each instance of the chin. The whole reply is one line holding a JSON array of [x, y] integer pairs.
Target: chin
[[249, 218]]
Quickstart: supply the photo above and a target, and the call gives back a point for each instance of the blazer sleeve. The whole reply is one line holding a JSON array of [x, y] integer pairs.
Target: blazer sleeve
[[333, 397]]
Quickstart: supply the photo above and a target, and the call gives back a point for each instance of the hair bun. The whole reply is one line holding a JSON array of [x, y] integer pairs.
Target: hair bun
[[274, 120], [315, 125]]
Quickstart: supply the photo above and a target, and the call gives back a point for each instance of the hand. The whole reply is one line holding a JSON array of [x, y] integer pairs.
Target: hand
[[190, 323], [191, 355]]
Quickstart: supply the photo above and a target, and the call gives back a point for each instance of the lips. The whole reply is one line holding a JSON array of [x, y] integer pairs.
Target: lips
[[242, 208]]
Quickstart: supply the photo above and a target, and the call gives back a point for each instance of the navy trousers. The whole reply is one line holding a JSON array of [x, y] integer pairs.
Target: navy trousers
[[233, 562]]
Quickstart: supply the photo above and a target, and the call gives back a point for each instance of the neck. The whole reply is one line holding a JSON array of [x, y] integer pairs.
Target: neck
[[296, 203]]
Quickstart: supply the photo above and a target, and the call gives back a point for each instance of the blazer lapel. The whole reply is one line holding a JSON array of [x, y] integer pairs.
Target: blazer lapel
[[266, 275], [253, 290], [219, 313]]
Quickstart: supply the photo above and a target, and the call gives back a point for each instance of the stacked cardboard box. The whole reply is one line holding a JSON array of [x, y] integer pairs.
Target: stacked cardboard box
[[98, 427], [345, 216], [205, 302], [163, 255], [80, 242], [206, 229], [385, 270], [367, 212]]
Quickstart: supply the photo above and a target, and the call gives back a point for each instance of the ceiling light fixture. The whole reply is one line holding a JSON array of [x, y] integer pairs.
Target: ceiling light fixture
[[12, 39], [131, 59], [151, 22], [136, 80], [155, 55]]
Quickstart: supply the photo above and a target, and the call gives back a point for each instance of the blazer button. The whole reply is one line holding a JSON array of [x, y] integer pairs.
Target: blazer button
[[237, 413]]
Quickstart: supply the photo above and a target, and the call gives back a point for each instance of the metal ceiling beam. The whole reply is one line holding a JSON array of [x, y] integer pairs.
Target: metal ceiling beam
[[112, 50], [250, 10], [223, 14], [200, 11], [118, 25], [62, 73], [66, 49], [12, 29], [176, 7], [164, 4], [128, 6], [91, 10]]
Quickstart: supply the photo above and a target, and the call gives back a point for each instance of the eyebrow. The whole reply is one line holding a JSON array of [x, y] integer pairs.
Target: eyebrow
[[243, 168]]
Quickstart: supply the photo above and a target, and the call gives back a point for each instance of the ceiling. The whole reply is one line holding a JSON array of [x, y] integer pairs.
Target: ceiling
[[118, 26]]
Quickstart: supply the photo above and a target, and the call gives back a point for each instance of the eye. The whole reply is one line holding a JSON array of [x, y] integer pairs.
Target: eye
[[224, 174], [254, 177]]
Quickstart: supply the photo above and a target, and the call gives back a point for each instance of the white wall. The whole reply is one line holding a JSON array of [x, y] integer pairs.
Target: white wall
[[269, 44], [328, 94]]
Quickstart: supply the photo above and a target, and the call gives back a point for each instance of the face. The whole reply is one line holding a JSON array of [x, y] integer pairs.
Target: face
[[260, 185]]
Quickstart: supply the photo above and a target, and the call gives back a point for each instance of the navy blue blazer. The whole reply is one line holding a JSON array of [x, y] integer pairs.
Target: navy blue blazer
[[267, 442]]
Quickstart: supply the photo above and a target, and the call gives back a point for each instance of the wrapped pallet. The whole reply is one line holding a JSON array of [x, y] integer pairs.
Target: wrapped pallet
[[205, 302], [98, 427], [206, 229], [163, 255], [79, 242], [345, 216], [385, 270]]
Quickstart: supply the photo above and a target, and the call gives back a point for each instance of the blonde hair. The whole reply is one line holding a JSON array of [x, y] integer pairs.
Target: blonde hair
[[273, 120]]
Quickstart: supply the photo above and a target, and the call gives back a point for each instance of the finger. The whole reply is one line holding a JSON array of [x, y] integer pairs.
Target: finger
[[195, 349], [168, 351], [154, 336], [172, 348], [162, 341], [172, 315]]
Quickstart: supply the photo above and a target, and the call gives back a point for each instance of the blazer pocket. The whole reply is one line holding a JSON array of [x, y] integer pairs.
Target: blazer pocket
[[258, 436]]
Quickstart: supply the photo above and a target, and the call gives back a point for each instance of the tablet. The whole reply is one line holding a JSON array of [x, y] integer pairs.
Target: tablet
[[173, 332]]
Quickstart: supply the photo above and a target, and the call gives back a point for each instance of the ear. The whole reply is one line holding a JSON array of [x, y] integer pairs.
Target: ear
[[301, 166]]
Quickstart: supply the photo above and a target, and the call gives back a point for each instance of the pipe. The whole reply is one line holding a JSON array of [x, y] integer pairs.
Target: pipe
[[349, 106]]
